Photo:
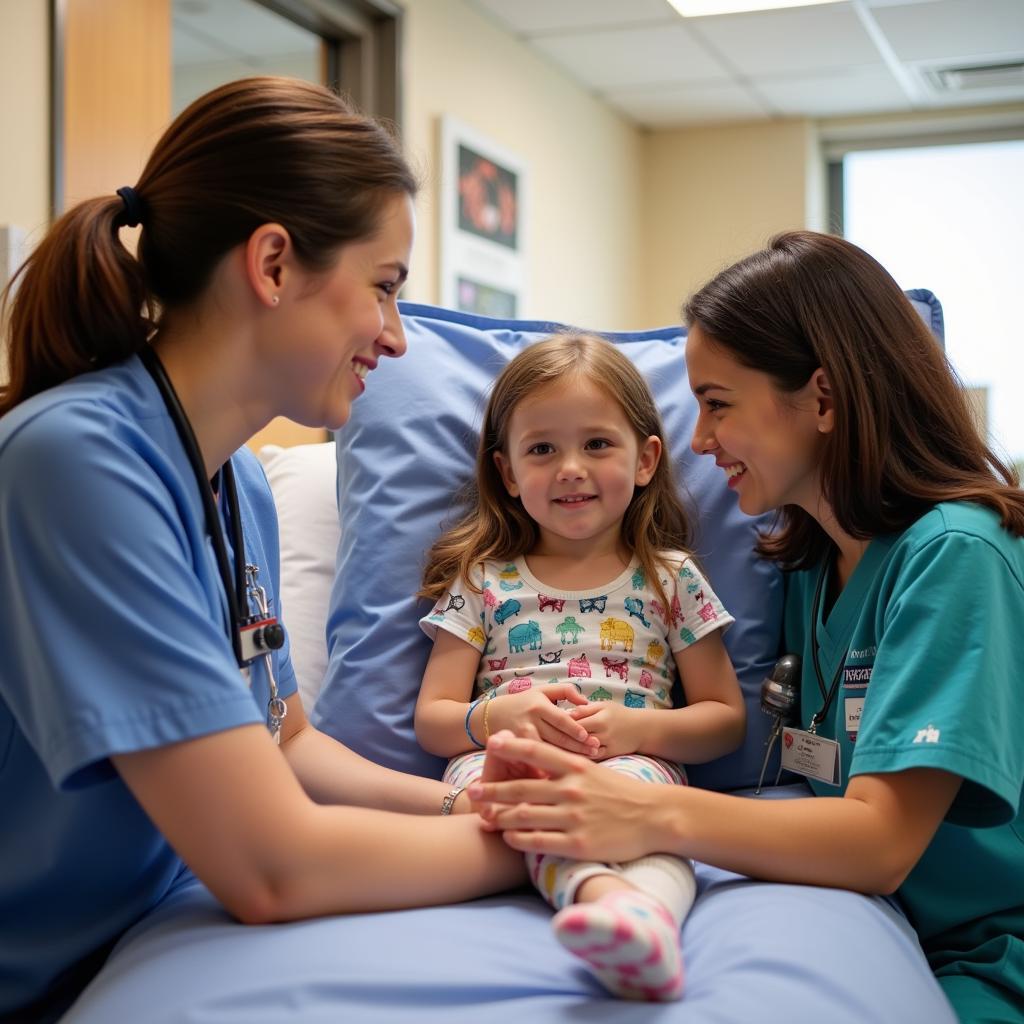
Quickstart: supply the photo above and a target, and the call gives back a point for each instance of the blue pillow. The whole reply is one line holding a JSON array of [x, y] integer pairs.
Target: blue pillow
[[410, 445]]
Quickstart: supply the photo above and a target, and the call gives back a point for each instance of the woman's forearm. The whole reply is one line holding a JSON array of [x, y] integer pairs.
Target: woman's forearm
[[867, 840], [357, 860], [238, 816], [331, 773], [828, 841]]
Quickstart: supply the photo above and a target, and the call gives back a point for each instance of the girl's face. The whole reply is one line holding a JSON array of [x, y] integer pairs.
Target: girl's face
[[573, 459], [768, 443], [339, 325]]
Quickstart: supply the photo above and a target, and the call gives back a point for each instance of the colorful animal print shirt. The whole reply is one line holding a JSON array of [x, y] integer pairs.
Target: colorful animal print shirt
[[614, 643]]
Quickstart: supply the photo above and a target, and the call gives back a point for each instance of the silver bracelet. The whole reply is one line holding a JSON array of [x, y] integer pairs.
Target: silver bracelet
[[449, 800]]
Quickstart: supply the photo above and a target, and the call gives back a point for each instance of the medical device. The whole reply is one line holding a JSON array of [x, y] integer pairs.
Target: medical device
[[780, 697]]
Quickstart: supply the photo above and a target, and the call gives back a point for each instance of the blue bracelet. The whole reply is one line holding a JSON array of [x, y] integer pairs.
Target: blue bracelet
[[469, 732]]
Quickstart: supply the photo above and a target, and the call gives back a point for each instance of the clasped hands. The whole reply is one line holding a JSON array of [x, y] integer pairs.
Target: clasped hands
[[545, 799], [596, 730]]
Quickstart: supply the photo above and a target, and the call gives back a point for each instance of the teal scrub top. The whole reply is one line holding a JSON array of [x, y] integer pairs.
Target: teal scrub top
[[928, 639], [114, 638]]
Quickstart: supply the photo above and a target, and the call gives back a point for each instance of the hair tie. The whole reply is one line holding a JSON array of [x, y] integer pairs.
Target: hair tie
[[132, 206]]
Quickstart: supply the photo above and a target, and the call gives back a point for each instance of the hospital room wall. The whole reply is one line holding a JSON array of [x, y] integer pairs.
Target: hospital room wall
[[24, 113], [24, 124], [715, 194], [622, 222], [583, 163]]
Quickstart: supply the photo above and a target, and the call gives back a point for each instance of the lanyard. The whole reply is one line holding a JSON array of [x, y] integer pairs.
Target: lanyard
[[830, 696], [233, 580], [261, 635]]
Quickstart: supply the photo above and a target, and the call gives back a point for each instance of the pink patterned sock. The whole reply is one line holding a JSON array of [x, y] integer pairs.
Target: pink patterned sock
[[630, 941]]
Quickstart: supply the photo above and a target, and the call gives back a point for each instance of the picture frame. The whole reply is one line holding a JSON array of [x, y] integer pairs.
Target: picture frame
[[482, 224]]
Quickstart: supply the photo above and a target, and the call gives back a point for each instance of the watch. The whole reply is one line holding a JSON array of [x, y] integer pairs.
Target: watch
[[449, 800]]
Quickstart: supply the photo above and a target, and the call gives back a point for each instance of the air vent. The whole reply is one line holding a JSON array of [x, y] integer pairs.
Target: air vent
[[983, 76]]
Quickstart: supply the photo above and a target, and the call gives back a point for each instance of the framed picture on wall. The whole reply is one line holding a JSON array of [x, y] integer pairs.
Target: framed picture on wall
[[483, 191]]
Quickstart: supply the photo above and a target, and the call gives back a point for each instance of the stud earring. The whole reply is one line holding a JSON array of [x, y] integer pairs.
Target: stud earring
[[275, 299]]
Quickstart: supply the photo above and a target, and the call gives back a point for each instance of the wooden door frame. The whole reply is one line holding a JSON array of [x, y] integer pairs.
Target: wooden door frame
[[362, 58]]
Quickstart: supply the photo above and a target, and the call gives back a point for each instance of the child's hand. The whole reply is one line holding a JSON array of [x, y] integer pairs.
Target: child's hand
[[618, 729], [534, 714]]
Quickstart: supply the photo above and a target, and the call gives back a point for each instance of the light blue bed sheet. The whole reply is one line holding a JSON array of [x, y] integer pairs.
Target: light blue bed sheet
[[754, 952]]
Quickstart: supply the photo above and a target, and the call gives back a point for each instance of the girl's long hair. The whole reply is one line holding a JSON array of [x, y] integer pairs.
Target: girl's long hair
[[260, 150], [905, 437], [495, 526]]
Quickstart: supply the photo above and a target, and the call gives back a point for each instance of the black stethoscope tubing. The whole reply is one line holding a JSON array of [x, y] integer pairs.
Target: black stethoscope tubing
[[819, 717], [233, 579]]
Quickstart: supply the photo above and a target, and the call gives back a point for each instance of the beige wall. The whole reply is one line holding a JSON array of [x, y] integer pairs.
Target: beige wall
[[713, 194], [584, 163], [24, 113], [24, 128], [623, 223]]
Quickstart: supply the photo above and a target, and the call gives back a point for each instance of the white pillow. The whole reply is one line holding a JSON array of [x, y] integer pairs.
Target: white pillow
[[302, 479]]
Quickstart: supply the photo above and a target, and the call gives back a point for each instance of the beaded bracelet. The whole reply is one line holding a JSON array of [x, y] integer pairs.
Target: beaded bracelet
[[469, 732]]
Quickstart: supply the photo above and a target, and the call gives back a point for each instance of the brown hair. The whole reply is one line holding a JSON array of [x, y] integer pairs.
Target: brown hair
[[904, 438], [255, 151], [496, 526]]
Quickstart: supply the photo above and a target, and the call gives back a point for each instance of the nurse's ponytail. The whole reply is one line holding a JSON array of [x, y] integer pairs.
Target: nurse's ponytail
[[256, 151], [81, 302]]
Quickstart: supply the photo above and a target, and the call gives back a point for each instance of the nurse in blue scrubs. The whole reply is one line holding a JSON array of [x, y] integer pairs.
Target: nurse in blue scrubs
[[823, 396], [137, 733]]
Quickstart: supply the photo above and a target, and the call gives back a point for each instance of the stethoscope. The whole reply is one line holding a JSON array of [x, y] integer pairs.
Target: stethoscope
[[780, 691], [252, 636]]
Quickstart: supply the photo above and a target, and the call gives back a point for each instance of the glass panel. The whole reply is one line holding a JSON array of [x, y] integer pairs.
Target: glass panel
[[217, 41], [951, 218]]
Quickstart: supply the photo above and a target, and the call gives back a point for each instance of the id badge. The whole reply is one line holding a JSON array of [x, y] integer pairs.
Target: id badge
[[817, 757], [854, 708]]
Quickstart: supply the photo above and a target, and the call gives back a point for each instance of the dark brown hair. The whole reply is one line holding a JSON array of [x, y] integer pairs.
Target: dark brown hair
[[904, 438], [496, 526], [255, 151]]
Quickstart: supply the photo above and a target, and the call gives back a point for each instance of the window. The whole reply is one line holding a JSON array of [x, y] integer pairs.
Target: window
[[951, 218], [217, 42]]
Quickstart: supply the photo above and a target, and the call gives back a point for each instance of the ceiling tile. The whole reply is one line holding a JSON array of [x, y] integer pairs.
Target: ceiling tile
[[954, 31], [528, 17], [797, 39], [677, 106], [867, 90], [643, 56]]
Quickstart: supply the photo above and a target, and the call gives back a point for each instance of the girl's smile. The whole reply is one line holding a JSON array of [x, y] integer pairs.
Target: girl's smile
[[574, 461]]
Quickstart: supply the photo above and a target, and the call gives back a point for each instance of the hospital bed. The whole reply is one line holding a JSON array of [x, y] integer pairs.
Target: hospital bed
[[754, 951]]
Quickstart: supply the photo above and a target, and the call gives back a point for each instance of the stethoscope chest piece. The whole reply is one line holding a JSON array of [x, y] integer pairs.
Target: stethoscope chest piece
[[780, 698], [780, 692]]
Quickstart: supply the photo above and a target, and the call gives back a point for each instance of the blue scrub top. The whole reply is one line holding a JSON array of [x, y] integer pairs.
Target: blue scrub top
[[113, 638]]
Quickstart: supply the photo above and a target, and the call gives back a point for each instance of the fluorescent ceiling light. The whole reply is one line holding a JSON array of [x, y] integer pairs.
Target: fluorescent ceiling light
[[703, 8]]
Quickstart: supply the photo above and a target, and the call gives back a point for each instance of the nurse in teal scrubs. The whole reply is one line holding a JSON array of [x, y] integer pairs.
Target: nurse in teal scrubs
[[824, 396]]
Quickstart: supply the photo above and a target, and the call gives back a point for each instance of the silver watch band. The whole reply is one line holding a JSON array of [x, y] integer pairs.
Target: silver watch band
[[449, 800]]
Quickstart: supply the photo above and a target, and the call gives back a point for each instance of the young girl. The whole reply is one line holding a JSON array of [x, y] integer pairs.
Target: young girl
[[568, 604]]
